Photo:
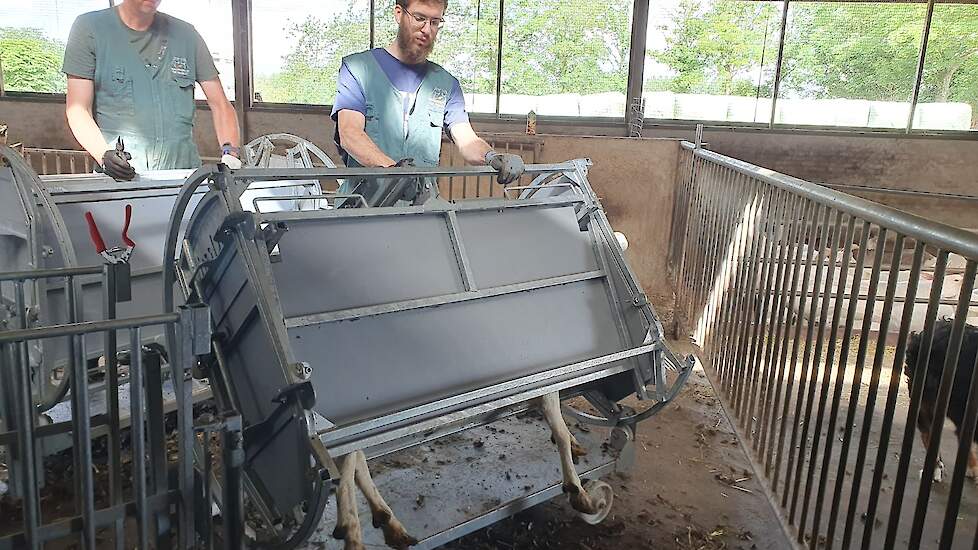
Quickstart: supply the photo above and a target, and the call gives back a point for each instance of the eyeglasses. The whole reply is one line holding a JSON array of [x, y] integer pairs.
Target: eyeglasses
[[420, 20]]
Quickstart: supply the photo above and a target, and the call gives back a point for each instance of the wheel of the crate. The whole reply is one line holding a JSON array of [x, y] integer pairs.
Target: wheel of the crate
[[284, 151], [33, 239], [603, 496], [290, 534]]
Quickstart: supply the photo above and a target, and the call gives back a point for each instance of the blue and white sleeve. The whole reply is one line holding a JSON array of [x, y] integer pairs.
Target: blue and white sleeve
[[349, 93], [455, 107]]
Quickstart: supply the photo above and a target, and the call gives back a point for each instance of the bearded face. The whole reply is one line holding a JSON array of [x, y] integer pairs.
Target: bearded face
[[417, 38]]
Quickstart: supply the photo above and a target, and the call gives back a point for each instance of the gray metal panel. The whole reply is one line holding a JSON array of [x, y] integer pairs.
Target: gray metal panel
[[524, 244], [379, 364], [329, 265], [246, 346]]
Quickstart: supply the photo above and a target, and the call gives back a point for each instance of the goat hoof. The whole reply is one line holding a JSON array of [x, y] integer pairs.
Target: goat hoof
[[339, 532], [601, 496], [972, 473], [395, 536]]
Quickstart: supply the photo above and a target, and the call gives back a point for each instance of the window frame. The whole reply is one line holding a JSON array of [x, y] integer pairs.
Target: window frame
[[242, 21]]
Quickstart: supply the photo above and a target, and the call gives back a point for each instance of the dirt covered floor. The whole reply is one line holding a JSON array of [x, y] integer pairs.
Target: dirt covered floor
[[691, 488]]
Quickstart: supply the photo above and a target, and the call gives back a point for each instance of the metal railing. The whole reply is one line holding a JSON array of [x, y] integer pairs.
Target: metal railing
[[58, 161], [804, 301], [64, 161], [455, 188], [124, 477]]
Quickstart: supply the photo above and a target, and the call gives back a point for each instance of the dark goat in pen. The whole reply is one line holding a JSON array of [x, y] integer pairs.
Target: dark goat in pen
[[932, 382]]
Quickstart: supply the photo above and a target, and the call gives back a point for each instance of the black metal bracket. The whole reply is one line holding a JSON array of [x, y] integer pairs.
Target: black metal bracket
[[258, 436], [272, 233]]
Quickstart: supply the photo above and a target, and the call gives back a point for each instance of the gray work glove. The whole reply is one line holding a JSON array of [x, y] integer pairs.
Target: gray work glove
[[509, 166], [115, 164]]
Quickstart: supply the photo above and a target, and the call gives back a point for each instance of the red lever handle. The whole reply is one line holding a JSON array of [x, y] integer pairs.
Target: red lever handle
[[94, 234], [125, 229]]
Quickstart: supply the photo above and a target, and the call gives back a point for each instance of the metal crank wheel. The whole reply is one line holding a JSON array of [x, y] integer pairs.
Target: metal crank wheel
[[295, 532]]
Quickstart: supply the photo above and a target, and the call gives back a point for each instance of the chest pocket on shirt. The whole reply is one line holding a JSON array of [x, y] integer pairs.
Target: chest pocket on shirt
[[119, 91], [182, 99]]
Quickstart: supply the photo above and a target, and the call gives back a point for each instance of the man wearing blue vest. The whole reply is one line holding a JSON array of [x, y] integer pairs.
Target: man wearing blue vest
[[392, 103], [131, 74]]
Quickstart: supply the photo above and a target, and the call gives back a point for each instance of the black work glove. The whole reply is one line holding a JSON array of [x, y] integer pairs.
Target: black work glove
[[509, 166], [399, 189], [115, 164], [385, 191]]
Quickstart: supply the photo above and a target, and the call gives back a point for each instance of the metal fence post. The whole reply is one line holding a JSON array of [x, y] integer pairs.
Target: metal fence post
[[232, 447], [193, 339]]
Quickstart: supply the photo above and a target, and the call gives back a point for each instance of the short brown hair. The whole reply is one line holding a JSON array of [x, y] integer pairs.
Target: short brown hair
[[404, 3]]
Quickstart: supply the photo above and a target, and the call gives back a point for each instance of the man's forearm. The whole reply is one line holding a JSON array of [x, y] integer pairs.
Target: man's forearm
[[87, 132], [226, 126], [359, 145], [475, 152]]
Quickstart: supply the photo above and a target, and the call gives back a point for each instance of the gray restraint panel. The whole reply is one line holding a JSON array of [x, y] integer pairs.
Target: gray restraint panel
[[381, 363]]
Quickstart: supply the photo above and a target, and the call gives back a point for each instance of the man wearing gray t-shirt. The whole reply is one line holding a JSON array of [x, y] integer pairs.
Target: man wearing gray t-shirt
[[131, 73]]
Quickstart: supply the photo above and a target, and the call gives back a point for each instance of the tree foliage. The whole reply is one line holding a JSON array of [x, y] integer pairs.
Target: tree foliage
[[549, 47], [31, 62], [951, 71], [719, 48], [832, 50], [310, 65], [565, 46]]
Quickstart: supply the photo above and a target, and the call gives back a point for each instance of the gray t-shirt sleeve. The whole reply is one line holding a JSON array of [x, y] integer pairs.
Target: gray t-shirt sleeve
[[80, 50], [206, 70]]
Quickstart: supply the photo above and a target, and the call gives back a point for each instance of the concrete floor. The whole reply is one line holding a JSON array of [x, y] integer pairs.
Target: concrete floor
[[967, 516]]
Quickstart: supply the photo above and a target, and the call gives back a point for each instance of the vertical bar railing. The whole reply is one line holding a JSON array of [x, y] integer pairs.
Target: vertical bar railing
[[144, 496], [66, 161], [813, 309], [455, 188]]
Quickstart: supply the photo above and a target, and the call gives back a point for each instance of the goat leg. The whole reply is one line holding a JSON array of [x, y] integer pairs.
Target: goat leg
[[395, 535], [347, 521], [580, 501]]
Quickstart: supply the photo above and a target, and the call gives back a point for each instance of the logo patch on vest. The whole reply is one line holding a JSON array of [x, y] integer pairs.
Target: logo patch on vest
[[179, 66], [438, 99]]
